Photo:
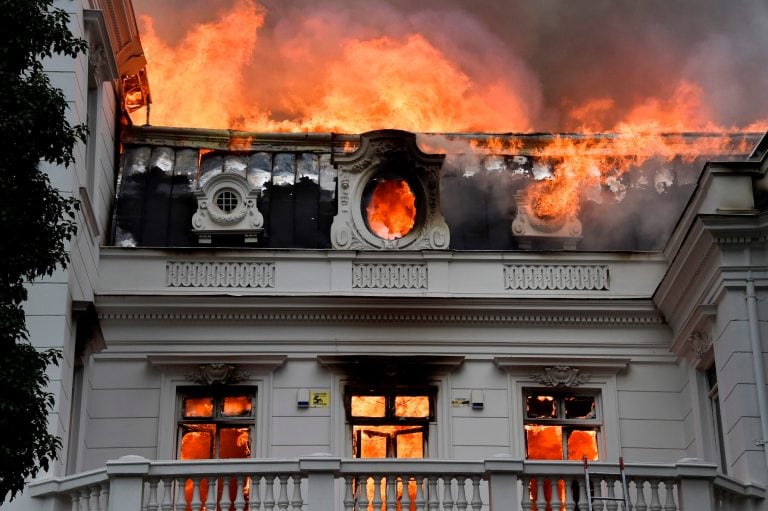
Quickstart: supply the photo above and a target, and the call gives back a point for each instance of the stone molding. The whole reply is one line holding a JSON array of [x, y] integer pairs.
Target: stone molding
[[558, 278], [389, 276], [561, 376], [219, 274], [400, 317]]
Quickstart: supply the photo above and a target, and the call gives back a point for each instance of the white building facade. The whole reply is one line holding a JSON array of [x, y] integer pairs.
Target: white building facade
[[234, 321]]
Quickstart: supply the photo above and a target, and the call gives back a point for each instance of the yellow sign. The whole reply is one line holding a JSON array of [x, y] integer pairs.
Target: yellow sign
[[319, 399]]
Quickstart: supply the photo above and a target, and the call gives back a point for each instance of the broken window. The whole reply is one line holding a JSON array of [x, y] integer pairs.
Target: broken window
[[561, 426], [390, 423], [215, 424]]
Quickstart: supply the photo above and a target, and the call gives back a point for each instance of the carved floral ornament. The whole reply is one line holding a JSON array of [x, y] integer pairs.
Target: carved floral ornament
[[561, 376], [216, 374]]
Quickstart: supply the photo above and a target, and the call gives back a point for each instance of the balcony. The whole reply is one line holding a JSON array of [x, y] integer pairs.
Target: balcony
[[325, 483]]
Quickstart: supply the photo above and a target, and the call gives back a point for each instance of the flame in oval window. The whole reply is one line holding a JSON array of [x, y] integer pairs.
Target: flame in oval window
[[391, 208]]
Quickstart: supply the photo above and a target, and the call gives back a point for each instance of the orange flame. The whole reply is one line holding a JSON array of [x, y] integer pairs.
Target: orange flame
[[334, 77], [391, 211], [369, 82], [584, 163]]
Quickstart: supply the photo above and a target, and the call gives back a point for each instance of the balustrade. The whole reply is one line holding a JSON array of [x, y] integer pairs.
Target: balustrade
[[324, 483]]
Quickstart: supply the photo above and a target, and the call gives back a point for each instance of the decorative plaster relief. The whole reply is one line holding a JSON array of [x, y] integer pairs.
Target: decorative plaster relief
[[559, 278], [219, 274], [389, 276], [216, 374], [565, 376], [699, 343]]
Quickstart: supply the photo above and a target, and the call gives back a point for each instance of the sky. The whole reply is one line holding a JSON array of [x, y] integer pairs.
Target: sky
[[451, 65]]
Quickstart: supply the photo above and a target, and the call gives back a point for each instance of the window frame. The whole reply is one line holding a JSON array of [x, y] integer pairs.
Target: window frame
[[217, 418], [389, 394], [568, 425]]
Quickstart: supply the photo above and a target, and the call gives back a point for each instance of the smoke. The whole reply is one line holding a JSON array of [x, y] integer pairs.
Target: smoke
[[486, 65]]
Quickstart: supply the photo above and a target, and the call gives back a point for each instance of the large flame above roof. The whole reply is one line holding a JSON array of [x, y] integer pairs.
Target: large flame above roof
[[330, 68]]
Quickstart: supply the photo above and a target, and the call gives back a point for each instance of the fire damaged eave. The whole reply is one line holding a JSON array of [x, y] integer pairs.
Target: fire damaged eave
[[227, 139]]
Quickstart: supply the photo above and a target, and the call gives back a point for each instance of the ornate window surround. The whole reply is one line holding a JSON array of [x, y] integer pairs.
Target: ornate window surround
[[594, 375], [177, 372]]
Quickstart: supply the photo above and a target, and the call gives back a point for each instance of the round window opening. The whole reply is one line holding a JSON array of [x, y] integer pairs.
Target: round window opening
[[227, 201], [389, 207]]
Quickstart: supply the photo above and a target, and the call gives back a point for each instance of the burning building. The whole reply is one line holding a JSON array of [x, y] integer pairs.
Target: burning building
[[390, 320]]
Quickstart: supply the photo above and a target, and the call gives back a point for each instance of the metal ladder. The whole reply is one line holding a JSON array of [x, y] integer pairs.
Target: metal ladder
[[624, 493]]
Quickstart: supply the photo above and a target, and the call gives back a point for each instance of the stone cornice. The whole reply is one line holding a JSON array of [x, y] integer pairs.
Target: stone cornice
[[421, 310]]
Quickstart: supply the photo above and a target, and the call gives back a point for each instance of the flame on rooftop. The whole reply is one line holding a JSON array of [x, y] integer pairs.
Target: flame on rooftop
[[328, 71]]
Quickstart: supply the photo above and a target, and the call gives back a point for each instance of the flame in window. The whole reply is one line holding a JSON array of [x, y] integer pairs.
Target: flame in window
[[391, 209]]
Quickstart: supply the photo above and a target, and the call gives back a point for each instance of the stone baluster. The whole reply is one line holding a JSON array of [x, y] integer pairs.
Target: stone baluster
[[655, 502], [377, 500], [640, 504], [669, 495], [195, 504], [75, 496], [476, 503], [541, 499], [269, 492], [226, 501], [611, 505], [447, 494], [582, 494], [167, 502], [85, 499], [405, 501], [526, 502], [297, 501], [570, 502], [178, 496], [420, 501], [254, 494], [282, 500], [461, 494], [96, 498], [152, 503], [391, 493], [239, 494], [349, 498], [362, 493], [433, 503], [555, 500], [104, 496]]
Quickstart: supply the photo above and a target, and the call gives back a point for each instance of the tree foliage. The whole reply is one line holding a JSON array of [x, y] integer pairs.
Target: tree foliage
[[36, 220]]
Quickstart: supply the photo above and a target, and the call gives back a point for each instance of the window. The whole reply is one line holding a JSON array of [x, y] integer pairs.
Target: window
[[717, 422], [216, 423], [389, 423], [561, 425]]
